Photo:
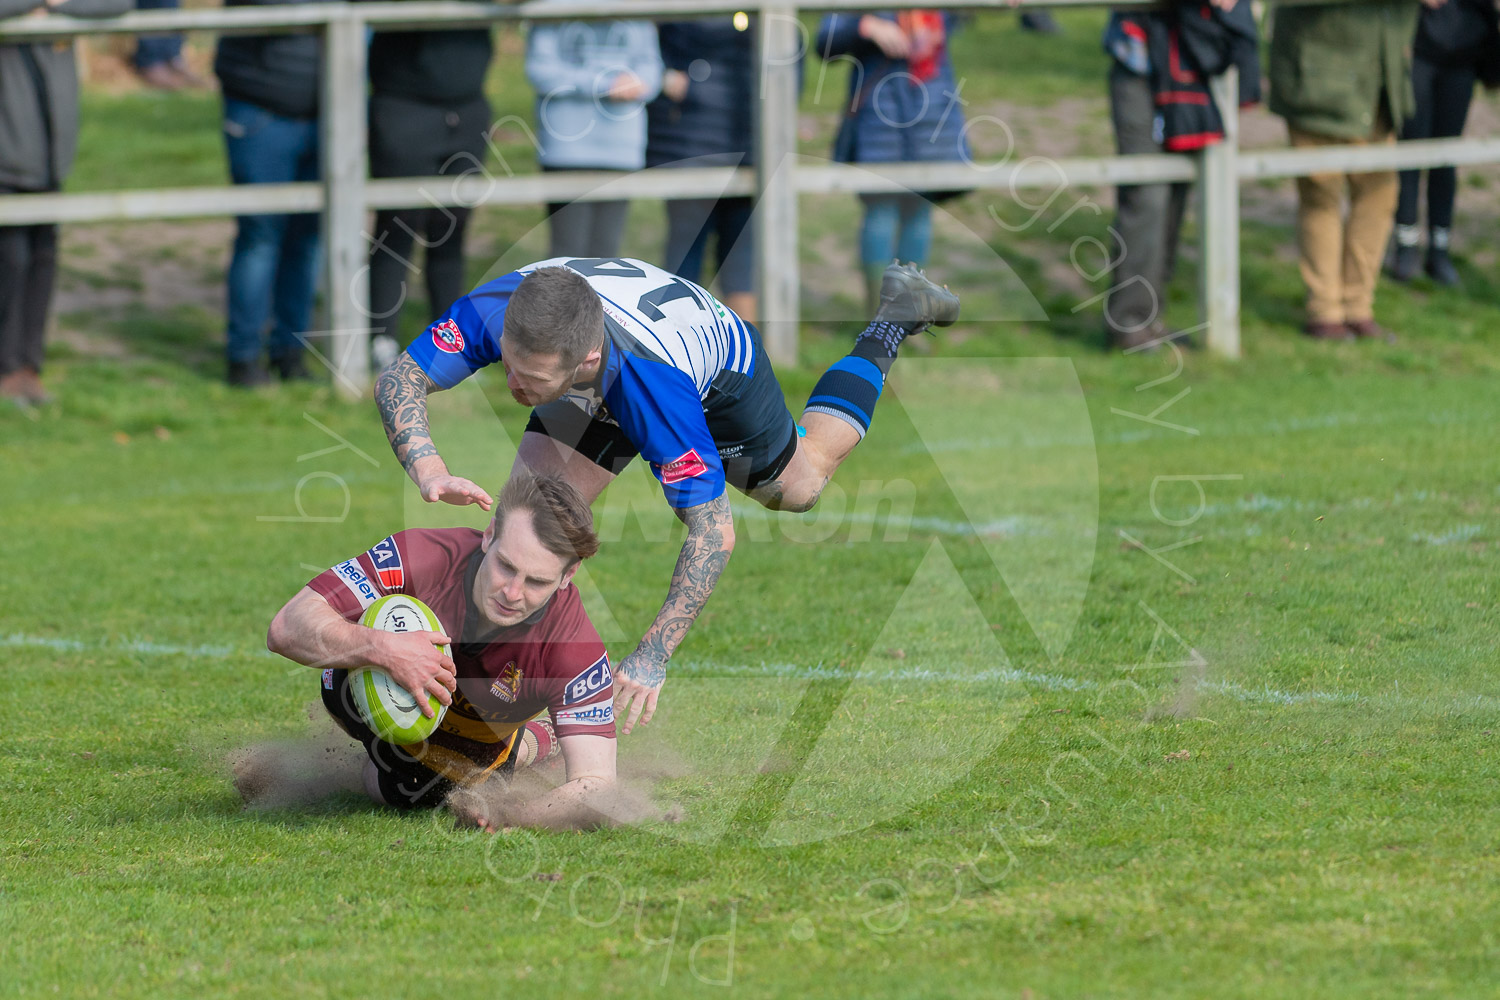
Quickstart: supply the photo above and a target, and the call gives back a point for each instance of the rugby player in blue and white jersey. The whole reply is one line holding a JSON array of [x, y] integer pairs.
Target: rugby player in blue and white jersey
[[620, 358]]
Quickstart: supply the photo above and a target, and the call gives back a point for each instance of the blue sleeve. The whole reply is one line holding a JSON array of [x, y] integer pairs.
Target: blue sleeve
[[838, 35], [659, 410], [466, 338]]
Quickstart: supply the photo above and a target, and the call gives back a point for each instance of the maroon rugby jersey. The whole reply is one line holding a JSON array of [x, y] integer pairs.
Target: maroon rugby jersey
[[554, 661]]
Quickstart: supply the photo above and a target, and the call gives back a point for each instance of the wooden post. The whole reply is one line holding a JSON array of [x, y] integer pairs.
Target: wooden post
[[776, 243], [344, 172], [1219, 224]]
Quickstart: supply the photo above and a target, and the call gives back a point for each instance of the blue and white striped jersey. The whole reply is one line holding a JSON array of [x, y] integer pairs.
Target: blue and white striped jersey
[[669, 339]]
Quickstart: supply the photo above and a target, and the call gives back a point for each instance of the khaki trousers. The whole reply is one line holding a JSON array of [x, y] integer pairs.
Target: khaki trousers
[[1341, 255]]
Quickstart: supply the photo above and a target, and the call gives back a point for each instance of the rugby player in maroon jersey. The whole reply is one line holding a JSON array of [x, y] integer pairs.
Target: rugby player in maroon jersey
[[521, 645]]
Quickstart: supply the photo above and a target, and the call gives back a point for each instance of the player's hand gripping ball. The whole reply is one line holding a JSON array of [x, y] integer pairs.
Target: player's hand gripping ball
[[387, 707]]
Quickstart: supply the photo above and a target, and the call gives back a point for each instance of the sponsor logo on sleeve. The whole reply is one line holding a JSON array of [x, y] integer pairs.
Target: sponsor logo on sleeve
[[448, 337], [507, 683], [593, 715], [387, 560], [589, 683], [328, 679], [354, 578], [686, 467]]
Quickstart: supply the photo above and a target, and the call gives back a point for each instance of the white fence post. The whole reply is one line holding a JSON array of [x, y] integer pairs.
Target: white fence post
[[775, 162], [344, 172], [1219, 223]]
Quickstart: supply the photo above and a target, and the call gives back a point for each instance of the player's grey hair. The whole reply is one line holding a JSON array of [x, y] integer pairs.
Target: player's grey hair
[[554, 311]]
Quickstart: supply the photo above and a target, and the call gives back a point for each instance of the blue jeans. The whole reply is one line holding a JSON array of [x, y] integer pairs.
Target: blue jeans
[[896, 226], [153, 49], [273, 273]]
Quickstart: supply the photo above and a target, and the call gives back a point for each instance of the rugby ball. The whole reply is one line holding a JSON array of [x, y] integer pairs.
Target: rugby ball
[[385, 706]]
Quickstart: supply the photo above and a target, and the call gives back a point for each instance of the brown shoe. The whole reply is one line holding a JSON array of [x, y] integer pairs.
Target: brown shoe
[[1148, 338], [1321, 330], [31, 385], [161, 76], [1368, 329], [185, 75], [13, 388]]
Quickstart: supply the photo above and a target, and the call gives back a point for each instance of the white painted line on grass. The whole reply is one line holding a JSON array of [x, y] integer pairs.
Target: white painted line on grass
[[117, 646], [708, 670]]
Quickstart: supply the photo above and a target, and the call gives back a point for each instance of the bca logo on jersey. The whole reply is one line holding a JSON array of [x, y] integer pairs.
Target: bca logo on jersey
[[448, 337], [387, 560], [686, 467], [589, 683]]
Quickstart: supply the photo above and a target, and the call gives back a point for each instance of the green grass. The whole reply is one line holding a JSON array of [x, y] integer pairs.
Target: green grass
[[910, 759], [1014, 823]]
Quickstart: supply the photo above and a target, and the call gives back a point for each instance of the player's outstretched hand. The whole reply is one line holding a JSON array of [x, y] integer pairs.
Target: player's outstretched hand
[[455, 490], [637, 684], [414, 661]]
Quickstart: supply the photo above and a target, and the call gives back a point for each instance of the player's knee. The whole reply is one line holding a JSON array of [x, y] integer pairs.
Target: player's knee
[[800, 504], [372, 783], [794, 498]]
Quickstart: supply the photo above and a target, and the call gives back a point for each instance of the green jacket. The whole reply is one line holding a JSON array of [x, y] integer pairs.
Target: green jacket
[[1330, 63]]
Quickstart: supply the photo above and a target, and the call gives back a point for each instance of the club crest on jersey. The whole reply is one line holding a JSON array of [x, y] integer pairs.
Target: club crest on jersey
[[686, 467], [589, 683], [509, 681], [387, 560], [448, 337]]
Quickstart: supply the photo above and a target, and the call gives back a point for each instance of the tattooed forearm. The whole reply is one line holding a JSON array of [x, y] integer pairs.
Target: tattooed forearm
[[705, 552], [401, 395]]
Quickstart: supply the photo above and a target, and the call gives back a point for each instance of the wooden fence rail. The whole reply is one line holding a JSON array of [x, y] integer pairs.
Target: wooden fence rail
[[346, 194]]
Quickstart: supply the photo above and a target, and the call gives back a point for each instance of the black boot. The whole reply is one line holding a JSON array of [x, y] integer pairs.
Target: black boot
[[292, 367], [1440, 266], [1404, 263], [247, 374]]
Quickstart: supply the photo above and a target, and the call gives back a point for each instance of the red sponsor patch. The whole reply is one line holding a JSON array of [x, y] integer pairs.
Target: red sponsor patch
[[448, 337], [686, 467]]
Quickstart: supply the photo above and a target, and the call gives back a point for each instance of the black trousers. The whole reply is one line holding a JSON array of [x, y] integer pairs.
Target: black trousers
[[415, 139], [1443, 96], [28, 270], [1148, 216]]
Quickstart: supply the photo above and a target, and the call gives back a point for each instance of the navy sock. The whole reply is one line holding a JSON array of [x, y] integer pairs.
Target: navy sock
[[879, 343], [851, 387]]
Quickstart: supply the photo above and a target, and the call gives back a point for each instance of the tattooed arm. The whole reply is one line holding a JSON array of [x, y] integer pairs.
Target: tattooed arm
[[401, 395], [705, 552]]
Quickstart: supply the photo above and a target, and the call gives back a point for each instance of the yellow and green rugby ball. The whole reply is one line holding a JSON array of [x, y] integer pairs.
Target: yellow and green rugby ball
[[387, 707]]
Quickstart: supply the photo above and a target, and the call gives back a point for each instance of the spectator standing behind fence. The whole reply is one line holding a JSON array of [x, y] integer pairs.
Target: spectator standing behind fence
[[1341, 75], [1159, 102], [271, 86], [1456, 43], [428, 116], [705, 116], [158, 59], [592, 81], [902, 108], [38, 137]]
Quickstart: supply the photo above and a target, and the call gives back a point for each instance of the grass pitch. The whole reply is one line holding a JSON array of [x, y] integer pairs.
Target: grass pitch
[[1015, 713], [917, 748]]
